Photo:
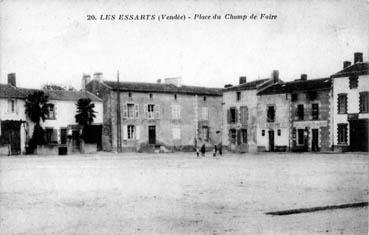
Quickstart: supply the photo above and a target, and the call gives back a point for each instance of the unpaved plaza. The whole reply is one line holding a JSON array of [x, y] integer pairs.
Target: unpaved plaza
[[180, 194]]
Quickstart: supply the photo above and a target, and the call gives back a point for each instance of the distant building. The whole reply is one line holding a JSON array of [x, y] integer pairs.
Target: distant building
[[60, 125], [307, 104], [162, 116], [351, 106], [240, 115]]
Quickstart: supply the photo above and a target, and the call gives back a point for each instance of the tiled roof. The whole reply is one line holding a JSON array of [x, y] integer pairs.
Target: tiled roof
[[163, 88], [247, 86], [298, 86], [360, 68], [8, 91]]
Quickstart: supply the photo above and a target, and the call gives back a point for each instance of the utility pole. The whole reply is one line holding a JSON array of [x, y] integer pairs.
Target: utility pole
[[119, 126]]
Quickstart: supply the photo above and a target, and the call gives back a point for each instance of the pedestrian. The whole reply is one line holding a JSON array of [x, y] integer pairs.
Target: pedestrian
[[220, 149], [197, 152], [215, 151], [203, 150]]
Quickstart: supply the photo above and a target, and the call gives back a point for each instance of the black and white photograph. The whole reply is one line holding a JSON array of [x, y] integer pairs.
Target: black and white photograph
[[184, 117]]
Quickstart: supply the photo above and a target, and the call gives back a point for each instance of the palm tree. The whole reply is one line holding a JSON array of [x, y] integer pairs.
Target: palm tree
[[85, 114], [36, 108]]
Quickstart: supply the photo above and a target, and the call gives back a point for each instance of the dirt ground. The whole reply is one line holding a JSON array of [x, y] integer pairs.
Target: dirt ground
[[182, 194]]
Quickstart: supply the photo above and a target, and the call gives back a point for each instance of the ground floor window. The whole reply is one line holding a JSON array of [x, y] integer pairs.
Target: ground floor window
[[51, 136], [232, 136], [342, 133], [204, 133], [176, 132], [244, 136], [300, 136], [130, 132]]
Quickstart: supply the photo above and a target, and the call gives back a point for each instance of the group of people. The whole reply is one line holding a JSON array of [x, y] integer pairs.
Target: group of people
[[202, 150]]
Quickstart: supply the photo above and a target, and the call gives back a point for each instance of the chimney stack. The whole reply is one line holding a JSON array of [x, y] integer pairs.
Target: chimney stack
[[346, 64], [358, 57], [242, 80], [304, 77], [275, 76], [12, 79], [98, 76], [86, 78]]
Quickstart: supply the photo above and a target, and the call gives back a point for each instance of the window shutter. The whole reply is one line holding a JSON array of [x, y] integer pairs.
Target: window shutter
[[238, 137], [228, 116], [16, 106], [138, 133], [124, 110], [157, 111], [137, 110], [125, 132], [145, 112], [246, 114], [236, 114]]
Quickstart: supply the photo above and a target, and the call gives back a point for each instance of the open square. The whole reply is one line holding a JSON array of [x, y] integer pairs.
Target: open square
[[181, 194]]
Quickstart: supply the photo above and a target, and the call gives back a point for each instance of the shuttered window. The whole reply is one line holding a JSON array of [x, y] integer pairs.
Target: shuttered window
[[342, 103], [342, 133], [364, 102]]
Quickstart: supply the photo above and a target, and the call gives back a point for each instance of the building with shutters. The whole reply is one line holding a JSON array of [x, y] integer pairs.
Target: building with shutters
[[351, 106], [162, 116], [240, 115], [297, 115]]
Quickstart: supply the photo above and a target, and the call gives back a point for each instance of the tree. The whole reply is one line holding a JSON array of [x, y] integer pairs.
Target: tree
[[53, 87], [85, 114], [36, 108]]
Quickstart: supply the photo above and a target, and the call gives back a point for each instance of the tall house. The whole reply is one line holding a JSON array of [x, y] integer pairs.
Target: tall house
[[351, 106], [162, 116], [240, 115]]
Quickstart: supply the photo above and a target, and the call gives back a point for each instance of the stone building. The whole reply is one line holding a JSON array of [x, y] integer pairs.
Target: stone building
[[351, 106], [162, 116], [308, 113], [240, 115]]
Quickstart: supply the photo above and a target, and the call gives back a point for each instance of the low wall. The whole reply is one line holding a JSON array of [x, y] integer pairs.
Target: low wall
[[5, 150]]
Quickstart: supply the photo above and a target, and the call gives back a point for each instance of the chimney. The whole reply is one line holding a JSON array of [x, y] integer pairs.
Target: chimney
[[98, 76], [358, 57], [304, 77], [275, 76], [12, 79], [242, 80], [174, 81], [158, 81], [346, 64], [86, 78]]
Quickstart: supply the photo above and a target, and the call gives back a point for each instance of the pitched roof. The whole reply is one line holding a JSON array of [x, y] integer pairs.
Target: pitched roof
[[360, 68], [298, 86], [247, 86], [9, 91], [163, 88]]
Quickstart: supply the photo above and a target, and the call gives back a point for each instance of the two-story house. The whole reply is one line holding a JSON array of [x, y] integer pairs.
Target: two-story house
[[165, 115], [351, 105]]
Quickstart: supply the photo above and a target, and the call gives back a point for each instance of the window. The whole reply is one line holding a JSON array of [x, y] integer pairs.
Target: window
[[204, 133], [342, 103], [175, 96], [232, 136], [312, 95], [11, 106], [150, 96], [364, 102], [232, 115], [270, 113], [51, 109], [300, 112], [129, 94], [131, 132], [315, 111], [204, 98], [279, 132], [176, 132], [262, 132], [63, 135], [244, 114], [204, 113], [152, 111], [342, 133], [244, 136], [294, 97], [130, 110], [51, 135], [300, 136], [176, 111], [353, 81], [238, 96]]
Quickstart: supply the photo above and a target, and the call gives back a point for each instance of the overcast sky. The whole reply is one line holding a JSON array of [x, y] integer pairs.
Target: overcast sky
[[54, 43]]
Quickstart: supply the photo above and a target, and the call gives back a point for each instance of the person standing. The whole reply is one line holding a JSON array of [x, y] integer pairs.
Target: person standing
[[215, 151], [203, 150], [220, 149]]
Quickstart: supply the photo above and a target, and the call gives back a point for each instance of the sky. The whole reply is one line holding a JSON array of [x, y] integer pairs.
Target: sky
[[53, 42]]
